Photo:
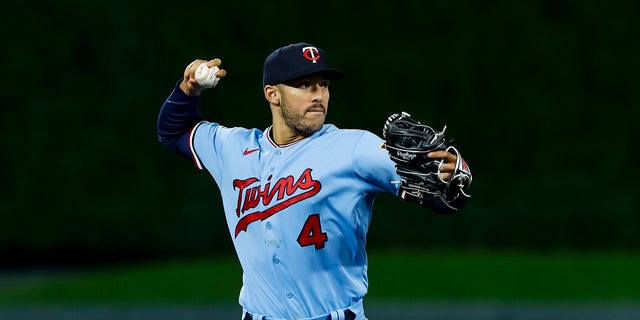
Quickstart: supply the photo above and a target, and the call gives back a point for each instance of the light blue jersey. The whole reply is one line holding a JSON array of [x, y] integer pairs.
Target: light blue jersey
[[298, 214]]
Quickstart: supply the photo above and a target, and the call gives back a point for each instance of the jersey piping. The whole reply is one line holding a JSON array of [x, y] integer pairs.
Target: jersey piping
[[196, 159]]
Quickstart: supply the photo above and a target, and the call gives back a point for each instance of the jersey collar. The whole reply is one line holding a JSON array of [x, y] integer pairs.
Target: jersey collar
[[267, 133]]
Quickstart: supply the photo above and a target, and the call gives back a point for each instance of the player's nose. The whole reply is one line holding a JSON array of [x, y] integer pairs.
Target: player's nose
[[317, 92]]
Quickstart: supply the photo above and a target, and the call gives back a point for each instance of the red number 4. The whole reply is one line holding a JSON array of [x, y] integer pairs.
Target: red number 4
[[312, 233]]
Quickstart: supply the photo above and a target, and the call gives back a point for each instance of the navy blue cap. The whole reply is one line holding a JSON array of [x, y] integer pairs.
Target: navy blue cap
[[295, 61]]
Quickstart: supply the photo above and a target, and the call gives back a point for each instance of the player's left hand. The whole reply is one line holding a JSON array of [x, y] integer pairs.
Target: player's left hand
[[448, 164], [432, 173]]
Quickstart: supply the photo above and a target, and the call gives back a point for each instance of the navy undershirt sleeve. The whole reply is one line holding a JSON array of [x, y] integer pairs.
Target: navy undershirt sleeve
[[178, 115]]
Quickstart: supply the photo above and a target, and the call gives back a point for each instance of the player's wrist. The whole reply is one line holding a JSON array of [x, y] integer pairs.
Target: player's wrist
[[189, 89], [179, 95]]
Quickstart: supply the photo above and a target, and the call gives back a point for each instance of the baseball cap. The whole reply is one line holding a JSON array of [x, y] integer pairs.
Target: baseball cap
[[294, 61]]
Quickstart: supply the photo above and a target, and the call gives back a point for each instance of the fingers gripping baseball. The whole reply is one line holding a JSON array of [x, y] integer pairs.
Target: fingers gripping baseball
[[200, 75]]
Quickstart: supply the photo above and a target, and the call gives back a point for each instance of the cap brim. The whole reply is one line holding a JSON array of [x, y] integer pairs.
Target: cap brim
[[328, 73]]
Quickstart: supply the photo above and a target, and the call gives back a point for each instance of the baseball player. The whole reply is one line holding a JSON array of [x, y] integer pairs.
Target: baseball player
[[297, 195]]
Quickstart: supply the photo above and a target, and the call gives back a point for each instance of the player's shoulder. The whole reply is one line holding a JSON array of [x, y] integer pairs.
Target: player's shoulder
[[221, 129], [354, 134]]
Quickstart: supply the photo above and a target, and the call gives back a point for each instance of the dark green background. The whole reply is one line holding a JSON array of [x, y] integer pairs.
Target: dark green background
[[540, 97]]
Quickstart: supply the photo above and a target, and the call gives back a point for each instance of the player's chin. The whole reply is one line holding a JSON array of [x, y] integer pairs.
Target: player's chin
[[312, 126]]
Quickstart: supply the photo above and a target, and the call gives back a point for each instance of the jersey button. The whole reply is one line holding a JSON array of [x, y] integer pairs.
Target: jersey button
[[278, 152], [276, 260], [289, 295], [268, 225]]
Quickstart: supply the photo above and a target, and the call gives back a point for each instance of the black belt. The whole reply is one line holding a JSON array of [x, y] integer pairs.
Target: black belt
[[348, 315]]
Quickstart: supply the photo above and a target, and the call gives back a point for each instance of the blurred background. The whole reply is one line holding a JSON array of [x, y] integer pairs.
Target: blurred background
[[540, 97]]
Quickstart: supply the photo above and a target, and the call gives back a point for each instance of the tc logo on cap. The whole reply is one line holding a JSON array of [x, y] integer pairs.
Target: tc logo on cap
[[311, 53]]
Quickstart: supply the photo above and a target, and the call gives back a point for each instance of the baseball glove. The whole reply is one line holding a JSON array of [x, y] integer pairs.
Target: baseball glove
[[408, 141]]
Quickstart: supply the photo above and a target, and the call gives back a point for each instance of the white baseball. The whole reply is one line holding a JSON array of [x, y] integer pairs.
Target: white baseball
[[206, 76]]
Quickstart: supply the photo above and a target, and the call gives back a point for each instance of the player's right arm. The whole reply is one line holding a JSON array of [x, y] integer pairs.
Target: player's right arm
[[179, 113]]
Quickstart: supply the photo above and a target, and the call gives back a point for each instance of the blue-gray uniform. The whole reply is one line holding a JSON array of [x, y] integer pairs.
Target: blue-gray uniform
[[298, 214]]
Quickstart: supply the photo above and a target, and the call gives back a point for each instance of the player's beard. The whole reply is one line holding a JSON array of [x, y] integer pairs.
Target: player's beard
[[298, 123]]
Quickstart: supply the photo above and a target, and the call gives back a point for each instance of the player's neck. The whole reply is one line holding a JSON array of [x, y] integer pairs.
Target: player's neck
[[283, 135]]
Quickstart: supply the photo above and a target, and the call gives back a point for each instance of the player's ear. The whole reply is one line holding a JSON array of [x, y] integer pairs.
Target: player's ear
[[272, 94]]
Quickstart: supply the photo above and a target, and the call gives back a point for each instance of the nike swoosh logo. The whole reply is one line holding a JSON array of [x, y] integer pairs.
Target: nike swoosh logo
[[247, 151]]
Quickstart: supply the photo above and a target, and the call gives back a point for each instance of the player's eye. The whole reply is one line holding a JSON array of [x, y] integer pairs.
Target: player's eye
[[310, 83]]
